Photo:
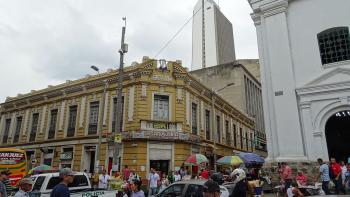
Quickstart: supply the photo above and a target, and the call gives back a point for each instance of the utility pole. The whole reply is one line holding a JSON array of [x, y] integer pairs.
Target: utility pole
[[118, 124]]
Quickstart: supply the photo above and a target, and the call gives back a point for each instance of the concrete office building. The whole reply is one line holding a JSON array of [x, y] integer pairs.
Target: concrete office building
[[245, 94], [212, 36]]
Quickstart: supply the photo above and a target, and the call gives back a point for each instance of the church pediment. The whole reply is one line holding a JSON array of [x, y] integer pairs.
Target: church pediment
[[338, 75]]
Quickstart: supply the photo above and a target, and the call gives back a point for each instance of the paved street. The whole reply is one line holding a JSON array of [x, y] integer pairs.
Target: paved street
[[273, 195]]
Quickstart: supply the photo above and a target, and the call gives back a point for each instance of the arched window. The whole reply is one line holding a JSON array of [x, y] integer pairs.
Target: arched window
[[334, 44]]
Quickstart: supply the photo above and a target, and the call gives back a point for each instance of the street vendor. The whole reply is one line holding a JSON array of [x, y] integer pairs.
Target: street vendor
[[301, 179]]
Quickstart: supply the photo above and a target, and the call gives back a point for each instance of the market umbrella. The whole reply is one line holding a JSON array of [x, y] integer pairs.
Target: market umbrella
[[42, 169], [251, 158], [230, 160], [196, 159]]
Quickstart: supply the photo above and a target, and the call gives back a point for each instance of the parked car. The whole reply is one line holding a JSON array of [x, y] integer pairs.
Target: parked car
[[189, 188], [81, 186]]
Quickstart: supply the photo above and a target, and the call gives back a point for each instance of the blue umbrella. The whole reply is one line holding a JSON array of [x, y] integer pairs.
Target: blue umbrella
[[251, 158]]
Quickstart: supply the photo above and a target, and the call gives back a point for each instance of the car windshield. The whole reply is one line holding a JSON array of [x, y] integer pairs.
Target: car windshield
[[78, 181], [173, 191], [194, 191]]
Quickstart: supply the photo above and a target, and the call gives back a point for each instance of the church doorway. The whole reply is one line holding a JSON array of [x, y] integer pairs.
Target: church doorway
[[338, 136]]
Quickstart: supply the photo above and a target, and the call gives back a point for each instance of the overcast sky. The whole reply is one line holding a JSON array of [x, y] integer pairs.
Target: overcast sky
[[47, 42]]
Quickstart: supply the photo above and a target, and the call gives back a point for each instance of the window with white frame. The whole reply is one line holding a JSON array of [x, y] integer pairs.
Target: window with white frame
[[194, 119], [93, 117], [161, 107]]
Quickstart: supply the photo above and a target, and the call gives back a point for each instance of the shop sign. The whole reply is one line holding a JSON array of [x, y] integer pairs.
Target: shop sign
[[164, 135], [66, 156], [118, 138]]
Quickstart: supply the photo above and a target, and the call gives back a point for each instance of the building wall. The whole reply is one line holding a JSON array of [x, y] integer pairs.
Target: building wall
[[245, 93], [142, 133], [298, 89]]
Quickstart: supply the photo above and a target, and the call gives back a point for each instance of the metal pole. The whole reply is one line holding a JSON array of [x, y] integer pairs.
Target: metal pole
[[100, 125], [118, 122]]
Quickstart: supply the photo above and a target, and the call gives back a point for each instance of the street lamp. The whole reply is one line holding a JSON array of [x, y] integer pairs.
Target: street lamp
[[214, 92], [100, 119]]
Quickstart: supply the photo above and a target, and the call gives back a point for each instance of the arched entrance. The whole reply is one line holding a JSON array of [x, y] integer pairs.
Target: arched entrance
[[338, 135]]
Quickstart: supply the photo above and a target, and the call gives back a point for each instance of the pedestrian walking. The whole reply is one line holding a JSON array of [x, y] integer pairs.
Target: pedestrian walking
[[324, 174], [133, 175], [135, 186], [25, 186], [153, 179], [3, 192], [337, 180], [347, 179], [61, 190], [177, 176], [126, 173], [103, 180], [210, 189], [164, 183], [7, 182]]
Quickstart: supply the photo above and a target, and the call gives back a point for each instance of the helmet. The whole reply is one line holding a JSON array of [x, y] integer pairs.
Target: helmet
[[238, 175]]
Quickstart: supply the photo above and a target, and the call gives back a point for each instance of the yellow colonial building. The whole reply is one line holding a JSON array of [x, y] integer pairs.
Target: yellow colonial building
[[167, 116]]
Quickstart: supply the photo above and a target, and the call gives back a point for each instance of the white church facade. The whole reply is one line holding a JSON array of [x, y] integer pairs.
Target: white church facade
[[304, 51]]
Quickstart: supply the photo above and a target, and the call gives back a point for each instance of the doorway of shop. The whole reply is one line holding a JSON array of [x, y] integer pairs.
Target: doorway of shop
[[160, 165]]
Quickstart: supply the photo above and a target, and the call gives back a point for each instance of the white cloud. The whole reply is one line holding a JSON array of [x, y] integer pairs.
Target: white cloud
[[46, 42]]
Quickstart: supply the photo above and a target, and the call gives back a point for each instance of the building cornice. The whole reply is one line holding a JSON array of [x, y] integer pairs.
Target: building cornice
[[316, 89]]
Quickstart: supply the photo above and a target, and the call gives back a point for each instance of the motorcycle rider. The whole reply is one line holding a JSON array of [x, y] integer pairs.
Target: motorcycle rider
[[239, 179]]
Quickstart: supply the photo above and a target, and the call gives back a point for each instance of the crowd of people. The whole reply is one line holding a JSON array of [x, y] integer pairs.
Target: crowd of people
[[335, 173]]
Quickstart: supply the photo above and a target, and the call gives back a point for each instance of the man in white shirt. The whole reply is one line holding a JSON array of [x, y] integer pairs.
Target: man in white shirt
[[153, 179], [177, 176], [25, 185], [103, 180]]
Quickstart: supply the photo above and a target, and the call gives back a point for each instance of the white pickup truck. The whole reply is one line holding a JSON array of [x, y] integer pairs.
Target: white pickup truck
[[81, 187]]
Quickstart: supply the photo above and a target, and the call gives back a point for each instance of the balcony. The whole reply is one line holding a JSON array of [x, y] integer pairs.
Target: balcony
[[161, 130], [151, 125]]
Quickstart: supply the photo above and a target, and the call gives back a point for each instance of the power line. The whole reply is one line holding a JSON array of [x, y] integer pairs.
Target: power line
[[172, 38]]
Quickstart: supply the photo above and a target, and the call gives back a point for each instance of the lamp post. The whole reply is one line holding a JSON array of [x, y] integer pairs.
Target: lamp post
[[214, 92], [100, 120]]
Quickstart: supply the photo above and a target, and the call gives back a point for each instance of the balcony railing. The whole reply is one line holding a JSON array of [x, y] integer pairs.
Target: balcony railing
[[154, 125]]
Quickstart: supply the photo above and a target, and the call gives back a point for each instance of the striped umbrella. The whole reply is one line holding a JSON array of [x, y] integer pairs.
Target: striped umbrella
[[230, 160], [196, 159]]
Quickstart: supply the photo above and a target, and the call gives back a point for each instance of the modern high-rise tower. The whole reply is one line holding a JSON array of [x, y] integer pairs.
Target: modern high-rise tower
[[212, 36]]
